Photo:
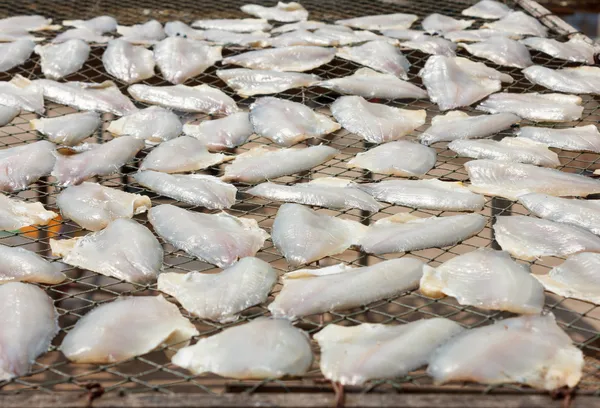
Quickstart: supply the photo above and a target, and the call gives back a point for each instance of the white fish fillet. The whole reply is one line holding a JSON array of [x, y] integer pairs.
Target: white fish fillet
[[264, 163], [98, 160], [478, 35], [535, 107], [18, 94], [341, 287], [16, 214], [400, 158], [379, 55], [296, 58], [283, 12], [27, 329], [381, 21], [403, 34], [246, 25], [287, 123], [15, 53], [128, 62], [18, 35], [21, 265], [23, 165], [357, 354], [68, 129], [179, 155], [305, 37], [300, 25], [329, 192], [457, 125], [577, 49], [375, 122], [196, 99], [487, 279], [180, 59], [440, 24], [60, 60], [180, 29], [84, 34], [94, 206], [223, 37], [145, 34], [488, 9], [509, 149], [195, 189], [429, 194], [404, 232], [510, 180], [100, 24], [517, 22], [221, 296], [578, 139], [249, 82], [125, 328], [228, 132], [262, 348], [340, 35], [153, 124], [576, 278], [530, 350], [7, 114], [303, 235], [27, 23], [431, 45], [220, 239], [579, 80], [501, 51]]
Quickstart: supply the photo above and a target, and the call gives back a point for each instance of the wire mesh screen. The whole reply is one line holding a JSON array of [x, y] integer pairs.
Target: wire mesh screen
[[84, 290]]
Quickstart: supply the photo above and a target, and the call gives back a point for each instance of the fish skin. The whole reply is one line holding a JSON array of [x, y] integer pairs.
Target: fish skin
[[15, 53], [295, 58], [577, 139], [21, 265], [440, 24], [576, 278], [246, 25], [217, 134], [501, 51], [488, 9], [153, 124], [180, 59], [60, 60], [69, 129], [535, 107], [577, 49], [23, 165], [378, 55], [127, 62], [282, 12], [400, 158], [579, 80], [517, 22], [250, 82], [381, 21]]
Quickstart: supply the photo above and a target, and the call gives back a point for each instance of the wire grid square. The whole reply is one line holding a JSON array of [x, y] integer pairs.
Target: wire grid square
[[153, 372]]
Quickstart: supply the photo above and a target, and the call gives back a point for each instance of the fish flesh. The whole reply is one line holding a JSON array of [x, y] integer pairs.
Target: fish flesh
[[195, 189], [337, 35], [287, 123], [250, 82], [15, 53], [458, 125], [397, 21], [487, 279], [145, 34], [127, 327], [340, 35], [519, 23], [27, 330], [21, 265], [309, 25], [83, 34], [329, 192], [577, 49], [357, 354], [404, 232], [501, 51], [431, 45], [16, 214], [480, 34], [265, 163], [283, 12], [371, 84], [406, 34], [375, 122], [341, 287], [23, 165], [181, 154], [127, 62], [221, 296], [245, 25], [60, 60], [153, 124], [68, 130], [530, 238], [17, 94], [94, 206], [7, 114], [180, 29], [180, 59], [509, 149], [18, 35], [228, 132], [581, 213], [579, 80], [296, 58], [431, 194], [488, 9], [219, 239], [440, 24], [223, 37], [400, 158], [196, 99], [379, 55], [535, 107], [576, 278], [27, 23], [304, 236], [531, 350], [263, 348], [100, 24], [577, 139], [98, 160], [510, 180]]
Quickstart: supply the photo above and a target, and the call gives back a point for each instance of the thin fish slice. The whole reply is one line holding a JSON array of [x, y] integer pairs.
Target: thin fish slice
[[15, 53], [501, 51], [531, 350], [329, 192], [440, 24], [510, 180], [340, 287], [577, 49], [69, 129], [194, 189], [16, 214], [145, 34], [431, 45], [379, 55], [488, 9], [283, 12], [127, 327], [519, 23], [180, 29], [577, 139], [296, 58], [18, 94], [481, 34], [357, 354], [264, 163], [224, 133], [576, 278], [27, 23], [303, 235], [100, 24], [535, 107], [21, 265], [250, 82], [246, 25], [223, 37], [400, 158], [300, 25], [180, 59], [579, 80], [405, 34], [94, 206], [60, 60], [381, 21], [301, 37], [18, 35], [430, 194], [220, 239], [487, 279], [84, 34], [7, 114], [221, 296], [263, 348], [128, 62], [340, 35], [23, 165], [153, 124]]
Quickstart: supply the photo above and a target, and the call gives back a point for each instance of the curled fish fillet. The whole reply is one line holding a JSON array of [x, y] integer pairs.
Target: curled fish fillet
[[223, 37], [579, 80], [283, 12], [180, 59], [145, 34], [535, 107], [21, 265], [488, 9], [379, 55], [245, 25], [153, 124], [15, 53], [381, 21], [501, 51], [577, 278], [23, 165], [509, 149], [228, 132], [128, 62], [578, 139], [441, 24], [295, 58], [69, 129], [577, 49], [400, 158], [431, 45], [249, 82], [60, 60], [16, 214], [517, 22]]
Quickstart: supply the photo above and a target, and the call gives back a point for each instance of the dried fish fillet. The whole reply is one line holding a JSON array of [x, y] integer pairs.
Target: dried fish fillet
[[340, 287], [23, 165], [325, 36], [488, 9], [296, 58], [27, 23], [576, 278], [228, 132], [381, 21], [21, 265], [354, 355], [535, 107], [283, 12], [180, 59], [7, 114], [403, 34], [400, 158], [18, 94], [250, 82], [300, 25], [16, 214], [18, 35], [180, 29], [223, 37], [145, 34], [15, 53], [440, 24], [501, 51], [246, 25], [128, 62], [481, 34], [379, 55], [60, 60], [84, 34], [579, 80], [518, 23], [100, 24], [577, 49], [153, 124], [431, 45], [221, 296], [68, 129], [578, 139]]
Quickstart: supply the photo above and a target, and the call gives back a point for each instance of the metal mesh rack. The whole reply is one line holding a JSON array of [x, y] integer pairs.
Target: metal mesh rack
[[84, 290]]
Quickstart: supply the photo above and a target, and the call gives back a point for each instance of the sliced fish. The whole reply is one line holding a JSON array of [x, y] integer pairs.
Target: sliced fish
[[27, 23], [153, 124], [263, 348], [245, 25], [221, 296], [340, 35], [147, 33], [381, 21], [379, 55], [431, 45], [357, 354], [16, 214], [302, 37], [341, 287], [501, 51], [83, 34], [223, 37], [480, 34], [60, 60], [577, 49], [125, 328], [180, 29], [440, 24], [18, 94], [21, 265], [400, 158], [15, 53], [128, 62], [300, 25], [100, 24], [18, 35], [23, 165], [228, 132], [296, 58], [403, 34], [283, 12], [488, 9], [303, 235], [576, 278], [180, 59], [579, 80], [250, 82], [519, 23], [578, 139], [69, 129], [7, 114], [535, 107]]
